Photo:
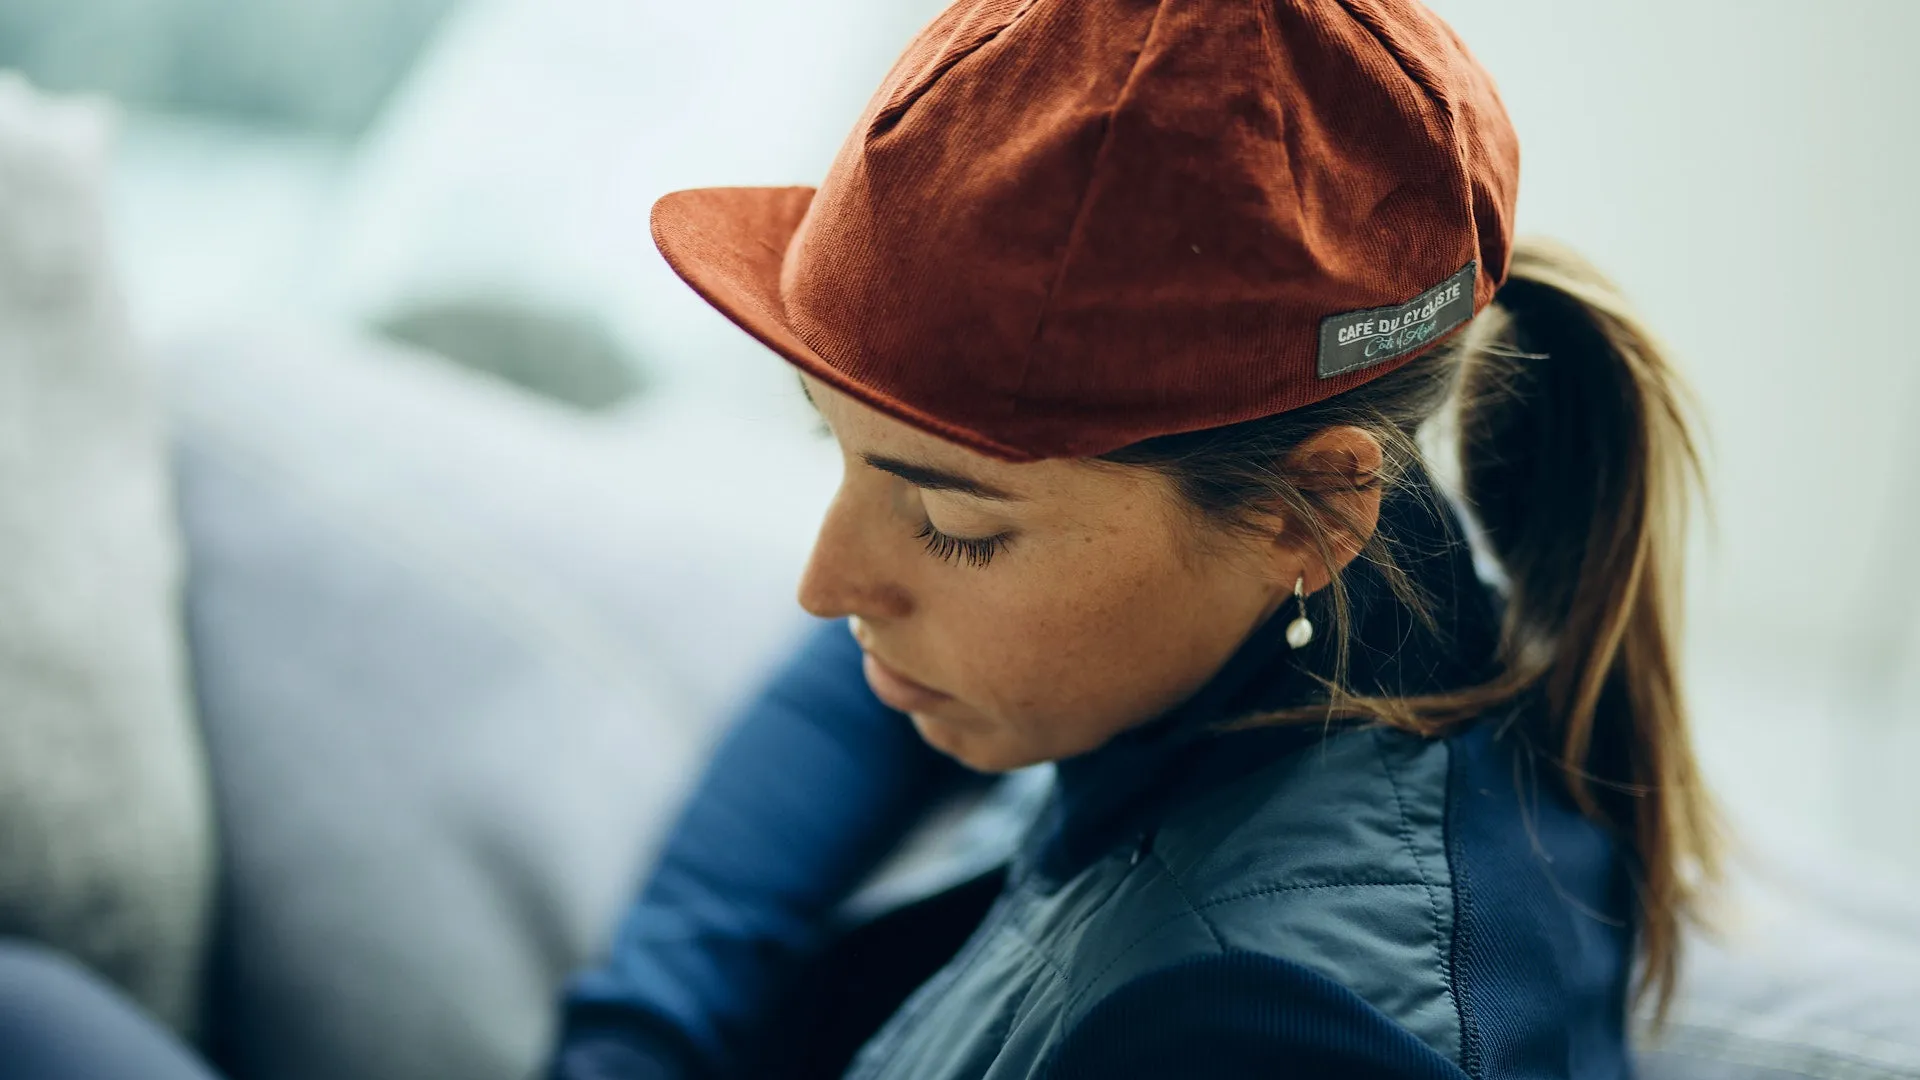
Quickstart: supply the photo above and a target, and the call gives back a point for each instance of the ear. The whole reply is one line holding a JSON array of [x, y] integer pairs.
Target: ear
[[1338, 468]]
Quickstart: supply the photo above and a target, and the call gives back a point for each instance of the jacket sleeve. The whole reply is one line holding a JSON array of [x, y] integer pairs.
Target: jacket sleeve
[[814, 784], [1241, 1016]]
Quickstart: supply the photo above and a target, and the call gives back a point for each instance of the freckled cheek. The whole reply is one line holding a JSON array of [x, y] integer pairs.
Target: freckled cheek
[[1044, 647], [989, 645]]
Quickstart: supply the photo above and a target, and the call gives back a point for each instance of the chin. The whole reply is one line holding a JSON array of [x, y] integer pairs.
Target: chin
[[976, 749]]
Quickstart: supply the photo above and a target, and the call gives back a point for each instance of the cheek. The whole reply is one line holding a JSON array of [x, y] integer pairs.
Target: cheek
[[1060, 656]]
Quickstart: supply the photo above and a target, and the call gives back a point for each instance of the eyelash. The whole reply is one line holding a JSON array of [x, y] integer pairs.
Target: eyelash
[[953, 548], [976, 552]]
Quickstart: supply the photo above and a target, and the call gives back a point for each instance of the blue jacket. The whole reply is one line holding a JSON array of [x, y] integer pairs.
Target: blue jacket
[[1307, 902]]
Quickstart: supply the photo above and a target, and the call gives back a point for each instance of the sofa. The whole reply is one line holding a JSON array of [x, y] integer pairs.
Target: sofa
[[343, 692]]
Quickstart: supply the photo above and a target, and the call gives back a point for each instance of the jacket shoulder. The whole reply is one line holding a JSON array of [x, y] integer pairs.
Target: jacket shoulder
[[1333, 858], [1240, 1016]]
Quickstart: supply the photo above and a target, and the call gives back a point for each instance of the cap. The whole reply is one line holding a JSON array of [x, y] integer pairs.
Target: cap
[[1063, 226]]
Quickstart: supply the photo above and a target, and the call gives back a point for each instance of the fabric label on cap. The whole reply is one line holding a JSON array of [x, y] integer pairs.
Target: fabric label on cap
[[1360, 339]]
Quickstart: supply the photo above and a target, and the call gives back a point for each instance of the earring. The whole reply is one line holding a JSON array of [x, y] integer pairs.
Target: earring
[[1300, 630]]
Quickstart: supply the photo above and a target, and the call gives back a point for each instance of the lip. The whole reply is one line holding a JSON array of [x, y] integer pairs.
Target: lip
[[896, 689]]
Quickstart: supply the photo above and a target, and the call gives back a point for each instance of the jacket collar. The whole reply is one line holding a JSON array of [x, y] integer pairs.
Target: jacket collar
[[1112, 794]]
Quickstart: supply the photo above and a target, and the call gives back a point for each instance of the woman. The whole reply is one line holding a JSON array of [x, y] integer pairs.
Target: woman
[[1125, 316]]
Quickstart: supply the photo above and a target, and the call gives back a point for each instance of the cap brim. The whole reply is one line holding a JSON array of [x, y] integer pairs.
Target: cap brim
[[728, 244]]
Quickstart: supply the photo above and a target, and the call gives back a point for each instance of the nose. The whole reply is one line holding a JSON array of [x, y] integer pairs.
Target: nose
[[846, 573]]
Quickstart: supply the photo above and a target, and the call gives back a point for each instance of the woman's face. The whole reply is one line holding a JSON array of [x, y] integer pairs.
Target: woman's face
[[1024, 613]]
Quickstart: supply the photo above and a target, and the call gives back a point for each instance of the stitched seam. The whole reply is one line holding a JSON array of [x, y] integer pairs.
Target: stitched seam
[[1185, 899], [1057, 968], [1459, 878], [1053, 967], [1076, 999], [1023, 1009], [1440, 939], [1249, 894], [888, 118], [1105, 901], [1007, 1024], [1272, 890], [1416, 73], [1263, 17], [1080, 211]]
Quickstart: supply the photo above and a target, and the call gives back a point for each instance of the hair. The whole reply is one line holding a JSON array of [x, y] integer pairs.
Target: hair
[[1569, 430]]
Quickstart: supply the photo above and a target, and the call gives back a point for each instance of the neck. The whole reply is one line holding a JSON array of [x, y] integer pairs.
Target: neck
[[1392, 651]]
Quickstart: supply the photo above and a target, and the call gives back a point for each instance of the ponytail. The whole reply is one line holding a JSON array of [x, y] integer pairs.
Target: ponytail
[[1574, 455], [1576, 459]]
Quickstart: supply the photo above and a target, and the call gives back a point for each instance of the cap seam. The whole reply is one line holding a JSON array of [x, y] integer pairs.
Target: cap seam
[[1436, 96], [889, 116], [1080, 211]]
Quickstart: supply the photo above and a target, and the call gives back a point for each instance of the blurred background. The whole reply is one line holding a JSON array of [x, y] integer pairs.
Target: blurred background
[[474, 177], [306, 197]]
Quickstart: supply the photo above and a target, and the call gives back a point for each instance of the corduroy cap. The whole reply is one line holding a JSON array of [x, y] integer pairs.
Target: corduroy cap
[[1063, 226]]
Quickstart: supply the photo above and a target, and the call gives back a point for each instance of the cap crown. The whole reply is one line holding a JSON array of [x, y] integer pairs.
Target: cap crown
[[1062, 226]]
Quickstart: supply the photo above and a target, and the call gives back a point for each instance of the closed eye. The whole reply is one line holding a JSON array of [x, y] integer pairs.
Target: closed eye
[[977, 552]]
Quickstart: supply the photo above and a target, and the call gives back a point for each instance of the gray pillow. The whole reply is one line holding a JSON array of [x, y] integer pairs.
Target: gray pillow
[[105, 846], [458, 652], [1812, 971]]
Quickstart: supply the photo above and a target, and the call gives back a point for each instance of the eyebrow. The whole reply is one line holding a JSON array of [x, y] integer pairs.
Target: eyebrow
[[927, 476], [932, 479]]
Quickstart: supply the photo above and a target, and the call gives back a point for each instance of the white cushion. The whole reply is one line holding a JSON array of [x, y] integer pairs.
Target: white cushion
[[105, 851]]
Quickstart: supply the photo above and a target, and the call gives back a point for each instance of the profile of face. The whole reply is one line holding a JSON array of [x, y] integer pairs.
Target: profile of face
[[1021, 613]]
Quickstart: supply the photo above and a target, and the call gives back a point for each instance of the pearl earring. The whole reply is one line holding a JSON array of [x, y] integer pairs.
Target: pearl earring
[[1300, 630]]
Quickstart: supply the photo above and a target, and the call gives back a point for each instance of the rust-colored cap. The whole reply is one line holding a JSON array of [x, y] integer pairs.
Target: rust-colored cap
[[1063, 226]]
